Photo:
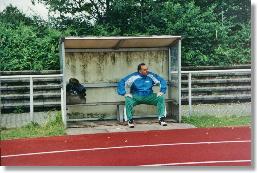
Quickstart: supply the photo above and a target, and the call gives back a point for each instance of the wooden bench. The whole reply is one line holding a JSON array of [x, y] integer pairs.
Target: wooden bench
[[119, 107]]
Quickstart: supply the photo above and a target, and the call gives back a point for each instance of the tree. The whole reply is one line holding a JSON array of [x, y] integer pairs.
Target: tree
[[26, 43], [12, 16], [239, 10], [213, 32], [207, 26]]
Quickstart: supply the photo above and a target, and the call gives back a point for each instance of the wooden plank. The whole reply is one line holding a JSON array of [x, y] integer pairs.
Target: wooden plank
[[109, 103], [105, 84]]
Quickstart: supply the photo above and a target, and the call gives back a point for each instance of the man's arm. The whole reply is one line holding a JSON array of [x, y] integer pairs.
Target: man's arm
[[161, 81], [121, 87], [122, 84], [163, 84]]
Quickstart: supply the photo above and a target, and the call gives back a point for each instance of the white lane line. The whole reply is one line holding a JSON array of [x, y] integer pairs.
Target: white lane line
[[201, 162], [121, 147]]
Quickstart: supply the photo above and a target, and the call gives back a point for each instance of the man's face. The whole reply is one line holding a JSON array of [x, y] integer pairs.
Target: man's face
[[144, 70]]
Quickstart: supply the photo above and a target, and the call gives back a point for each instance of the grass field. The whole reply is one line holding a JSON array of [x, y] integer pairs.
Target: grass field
[[52, 127], [55, 127], [213, 121]]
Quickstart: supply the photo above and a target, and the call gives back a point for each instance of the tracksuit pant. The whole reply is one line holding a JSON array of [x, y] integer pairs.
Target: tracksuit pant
[[149, 100]]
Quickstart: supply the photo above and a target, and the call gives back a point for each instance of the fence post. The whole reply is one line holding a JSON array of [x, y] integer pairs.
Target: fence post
[[62, 108], [190, 93], [31, 100]]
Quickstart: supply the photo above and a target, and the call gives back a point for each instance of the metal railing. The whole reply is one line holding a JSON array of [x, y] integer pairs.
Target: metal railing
[[189, 73], [30, 77]]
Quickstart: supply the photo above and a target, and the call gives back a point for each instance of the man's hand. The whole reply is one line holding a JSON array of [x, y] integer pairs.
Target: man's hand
[[159, 94], [128, 95]]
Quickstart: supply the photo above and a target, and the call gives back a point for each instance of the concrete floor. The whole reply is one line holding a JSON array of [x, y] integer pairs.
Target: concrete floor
[[114, 126]]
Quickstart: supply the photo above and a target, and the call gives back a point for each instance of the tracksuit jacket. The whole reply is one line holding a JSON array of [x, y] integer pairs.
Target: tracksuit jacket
[[141, 85]]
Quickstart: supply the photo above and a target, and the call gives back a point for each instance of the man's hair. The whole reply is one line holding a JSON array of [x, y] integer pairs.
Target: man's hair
[[140, 67]]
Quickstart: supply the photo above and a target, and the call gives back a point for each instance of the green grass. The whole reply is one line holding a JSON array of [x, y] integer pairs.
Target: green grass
[[55, 126], [213, 121], [52, 127]]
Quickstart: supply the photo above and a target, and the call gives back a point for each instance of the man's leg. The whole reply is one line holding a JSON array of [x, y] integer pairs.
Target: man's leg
[[158, 101], [129, 104], [161, 106]]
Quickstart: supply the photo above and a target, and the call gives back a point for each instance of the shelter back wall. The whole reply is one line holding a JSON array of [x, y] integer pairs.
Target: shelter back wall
[[105, 67], [96, 67]]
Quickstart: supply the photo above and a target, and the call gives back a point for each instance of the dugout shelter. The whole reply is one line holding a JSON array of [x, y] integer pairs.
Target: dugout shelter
[[100, 62]]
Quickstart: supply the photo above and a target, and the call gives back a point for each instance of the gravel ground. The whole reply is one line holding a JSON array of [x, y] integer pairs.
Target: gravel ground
[[236, 109], [14, 120]]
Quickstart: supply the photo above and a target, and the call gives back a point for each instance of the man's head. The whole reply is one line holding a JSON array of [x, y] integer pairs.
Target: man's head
[[143, 69]]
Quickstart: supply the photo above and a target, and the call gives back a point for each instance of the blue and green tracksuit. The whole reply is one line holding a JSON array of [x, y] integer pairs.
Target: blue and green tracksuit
[[141, 90]]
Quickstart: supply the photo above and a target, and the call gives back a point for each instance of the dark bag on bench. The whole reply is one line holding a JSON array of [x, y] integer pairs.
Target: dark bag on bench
[[75, 92]]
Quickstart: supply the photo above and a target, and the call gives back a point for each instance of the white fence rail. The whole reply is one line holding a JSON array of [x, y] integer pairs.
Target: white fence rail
[[31, 77], [190, 73]]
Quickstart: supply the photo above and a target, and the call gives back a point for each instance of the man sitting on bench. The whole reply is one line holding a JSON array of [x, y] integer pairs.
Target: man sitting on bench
[[140, 84]]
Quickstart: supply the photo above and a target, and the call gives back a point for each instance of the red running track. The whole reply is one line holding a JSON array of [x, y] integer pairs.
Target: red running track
[[191, 147]]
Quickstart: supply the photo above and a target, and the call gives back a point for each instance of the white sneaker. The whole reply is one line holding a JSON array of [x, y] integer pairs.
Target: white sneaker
[[162, 121], [131, 123]]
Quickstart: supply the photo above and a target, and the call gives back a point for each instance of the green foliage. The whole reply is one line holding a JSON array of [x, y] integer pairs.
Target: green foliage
[[19, 109], [27, 44], [197, 28], [23, 49], [213, 32], [234, 47]]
